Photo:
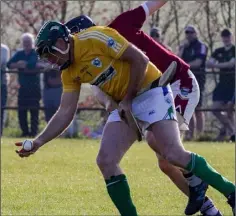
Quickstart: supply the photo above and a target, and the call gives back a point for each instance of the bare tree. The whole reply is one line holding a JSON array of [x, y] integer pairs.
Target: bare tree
[[124, 5], [208, 22], [174, 6], [155, 19], [30, 15], [226, 9], [187, 17], [86, 7]]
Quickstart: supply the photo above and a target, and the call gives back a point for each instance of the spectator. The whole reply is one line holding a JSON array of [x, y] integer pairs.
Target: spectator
[[5, 55], [52, 92], [25, 61], [156, 35], [194, 52], [223, 59]]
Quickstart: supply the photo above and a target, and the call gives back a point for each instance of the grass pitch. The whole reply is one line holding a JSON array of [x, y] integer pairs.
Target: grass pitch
[[62, 179]]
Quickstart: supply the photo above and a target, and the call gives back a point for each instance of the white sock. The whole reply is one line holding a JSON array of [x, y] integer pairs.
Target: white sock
[[193, 181], [209, 208]]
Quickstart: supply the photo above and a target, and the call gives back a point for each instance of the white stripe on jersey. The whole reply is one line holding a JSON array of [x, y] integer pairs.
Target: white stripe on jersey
[[101, 37], [145, 8]]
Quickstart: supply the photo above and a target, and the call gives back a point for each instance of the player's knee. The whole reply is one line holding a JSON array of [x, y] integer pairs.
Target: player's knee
[[177, 157], [171, 157], [164, 166], [104, 162], [101, 162], [150, 138]]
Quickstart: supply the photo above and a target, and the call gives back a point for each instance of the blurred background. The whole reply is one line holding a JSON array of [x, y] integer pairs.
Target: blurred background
[[30, 97]]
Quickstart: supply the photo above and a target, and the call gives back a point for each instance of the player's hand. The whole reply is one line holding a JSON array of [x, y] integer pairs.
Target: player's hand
[[23, 153], [125, 105], [111, 105]]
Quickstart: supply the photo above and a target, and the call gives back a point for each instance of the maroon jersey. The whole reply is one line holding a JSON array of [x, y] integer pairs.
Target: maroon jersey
[[129, 23]]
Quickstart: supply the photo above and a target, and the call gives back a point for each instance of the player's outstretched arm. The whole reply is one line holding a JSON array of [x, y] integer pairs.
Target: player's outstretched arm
[[59, 122], [153, 6]]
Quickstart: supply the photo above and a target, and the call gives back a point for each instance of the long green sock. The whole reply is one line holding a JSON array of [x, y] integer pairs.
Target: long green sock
[[119, 192], [199, 166]]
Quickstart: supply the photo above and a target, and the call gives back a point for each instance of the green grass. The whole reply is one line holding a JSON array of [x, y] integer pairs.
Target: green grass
[[63, 179]]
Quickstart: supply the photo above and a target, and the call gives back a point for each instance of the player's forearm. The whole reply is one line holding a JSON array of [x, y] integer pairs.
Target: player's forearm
[[59, 122], [137, 74], [153, 6]]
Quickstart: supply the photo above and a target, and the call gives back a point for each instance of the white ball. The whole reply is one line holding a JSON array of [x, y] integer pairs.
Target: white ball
[[27, 145]]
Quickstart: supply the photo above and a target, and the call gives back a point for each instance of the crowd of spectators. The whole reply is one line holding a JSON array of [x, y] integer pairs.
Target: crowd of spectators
[[192, 50]]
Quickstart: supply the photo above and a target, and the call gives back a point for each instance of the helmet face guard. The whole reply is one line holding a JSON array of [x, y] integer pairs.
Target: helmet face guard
[[44, 48]]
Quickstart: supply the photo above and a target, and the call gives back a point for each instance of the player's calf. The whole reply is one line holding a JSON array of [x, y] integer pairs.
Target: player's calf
[[174, 174], [173, 153], [116, 140], [197, 187]]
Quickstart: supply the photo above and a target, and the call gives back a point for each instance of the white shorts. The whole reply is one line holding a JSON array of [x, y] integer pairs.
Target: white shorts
[[152, 106], [186, 98]]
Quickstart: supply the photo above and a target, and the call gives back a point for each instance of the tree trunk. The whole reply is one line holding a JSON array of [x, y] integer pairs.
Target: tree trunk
[[176, 21], [63, 11], [92, 4], [208, 22], [230, 15], [121, 6]]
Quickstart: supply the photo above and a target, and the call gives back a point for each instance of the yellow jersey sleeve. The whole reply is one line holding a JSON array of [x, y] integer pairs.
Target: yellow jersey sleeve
[[106, 41], [69, 85]]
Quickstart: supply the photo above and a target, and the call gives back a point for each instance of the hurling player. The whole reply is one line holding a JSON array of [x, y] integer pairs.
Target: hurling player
[[102, 57]]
